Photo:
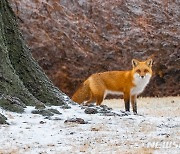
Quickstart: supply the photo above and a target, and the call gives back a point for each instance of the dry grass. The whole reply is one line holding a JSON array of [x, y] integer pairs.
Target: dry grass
[[166, 106], [10, 151], [136, 151], [130, 134]]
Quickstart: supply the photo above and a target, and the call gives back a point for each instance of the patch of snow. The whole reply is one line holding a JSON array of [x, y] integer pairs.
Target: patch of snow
[[32, 133]]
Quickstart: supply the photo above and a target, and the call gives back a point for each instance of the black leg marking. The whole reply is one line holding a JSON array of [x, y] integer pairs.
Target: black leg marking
[[127, 105], [135, 107]]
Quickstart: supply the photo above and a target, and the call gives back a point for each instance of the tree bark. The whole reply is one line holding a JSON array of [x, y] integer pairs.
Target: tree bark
[[22, 81]]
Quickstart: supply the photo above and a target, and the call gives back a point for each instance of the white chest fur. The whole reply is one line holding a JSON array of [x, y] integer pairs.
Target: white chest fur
[[140, 83]]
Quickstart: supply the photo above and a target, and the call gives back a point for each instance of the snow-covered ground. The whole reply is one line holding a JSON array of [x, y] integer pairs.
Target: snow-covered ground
[[155, 130]]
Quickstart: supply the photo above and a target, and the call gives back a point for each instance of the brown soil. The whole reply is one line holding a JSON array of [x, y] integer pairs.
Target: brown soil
[[73, 39]]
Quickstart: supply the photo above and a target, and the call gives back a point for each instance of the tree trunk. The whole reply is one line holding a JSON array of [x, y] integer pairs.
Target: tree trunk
[[22, 81]]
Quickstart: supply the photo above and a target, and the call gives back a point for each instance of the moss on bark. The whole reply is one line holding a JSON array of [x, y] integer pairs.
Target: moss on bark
[[12, 104], [3, 119], [21, 78]]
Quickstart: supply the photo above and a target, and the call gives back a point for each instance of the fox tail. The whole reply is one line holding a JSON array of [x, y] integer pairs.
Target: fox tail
[[82, 94]]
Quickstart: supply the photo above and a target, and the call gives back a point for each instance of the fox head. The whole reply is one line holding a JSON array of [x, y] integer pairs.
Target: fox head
[[142, 69]]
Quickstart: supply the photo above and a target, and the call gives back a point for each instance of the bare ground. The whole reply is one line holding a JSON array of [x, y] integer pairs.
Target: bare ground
[[160, 107], [155, 130]]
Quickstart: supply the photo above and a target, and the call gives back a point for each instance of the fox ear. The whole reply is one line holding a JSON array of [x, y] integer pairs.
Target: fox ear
[[135, 62], [149, 62]]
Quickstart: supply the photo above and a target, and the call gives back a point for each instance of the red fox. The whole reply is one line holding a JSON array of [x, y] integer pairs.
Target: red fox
[[129, 83]]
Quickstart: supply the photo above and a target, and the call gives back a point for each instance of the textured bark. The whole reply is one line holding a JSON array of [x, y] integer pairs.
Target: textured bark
[[22, 81]]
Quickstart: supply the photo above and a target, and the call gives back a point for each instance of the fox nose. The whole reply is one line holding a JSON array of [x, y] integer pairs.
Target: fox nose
[[142, 76]]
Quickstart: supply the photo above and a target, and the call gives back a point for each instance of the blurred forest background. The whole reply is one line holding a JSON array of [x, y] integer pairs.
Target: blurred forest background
[[71, 39]]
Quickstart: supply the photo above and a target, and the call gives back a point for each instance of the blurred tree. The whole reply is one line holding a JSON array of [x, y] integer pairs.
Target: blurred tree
[[22, 81]]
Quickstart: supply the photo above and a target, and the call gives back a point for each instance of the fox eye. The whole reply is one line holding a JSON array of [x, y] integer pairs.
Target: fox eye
[[138, 71], [145, 71]]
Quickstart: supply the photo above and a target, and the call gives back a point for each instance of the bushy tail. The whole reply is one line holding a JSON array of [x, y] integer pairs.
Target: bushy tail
[[82, 94]]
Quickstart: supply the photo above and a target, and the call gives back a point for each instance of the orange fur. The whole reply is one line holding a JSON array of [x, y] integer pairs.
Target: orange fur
[[126, 82]]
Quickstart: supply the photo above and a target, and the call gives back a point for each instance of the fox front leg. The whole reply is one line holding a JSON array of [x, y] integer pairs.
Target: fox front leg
[[127, 102], [134, 103]]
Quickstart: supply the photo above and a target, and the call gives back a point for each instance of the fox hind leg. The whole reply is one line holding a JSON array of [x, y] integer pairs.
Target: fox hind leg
[[127, 102], [98, 90], [99, 99], [91, 99]]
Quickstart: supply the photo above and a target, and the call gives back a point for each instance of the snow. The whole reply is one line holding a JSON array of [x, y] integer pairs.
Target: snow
[[155, 130]]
